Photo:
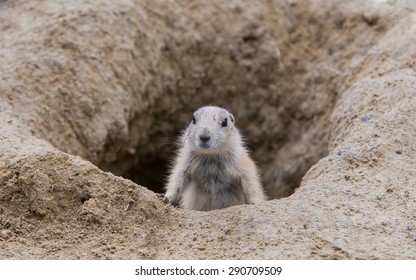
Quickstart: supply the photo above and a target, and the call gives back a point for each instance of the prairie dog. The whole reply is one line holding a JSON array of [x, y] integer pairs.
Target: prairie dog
[[213, 169]]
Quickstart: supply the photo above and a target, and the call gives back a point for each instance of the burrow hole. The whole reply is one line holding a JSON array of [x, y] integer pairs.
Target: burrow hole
[[282, 102]]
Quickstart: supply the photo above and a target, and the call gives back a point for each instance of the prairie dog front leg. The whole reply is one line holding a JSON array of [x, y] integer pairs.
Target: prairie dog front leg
[[177, 182]]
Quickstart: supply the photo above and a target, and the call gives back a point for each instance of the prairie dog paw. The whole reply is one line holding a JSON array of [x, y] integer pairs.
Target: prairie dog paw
[[169, 199]]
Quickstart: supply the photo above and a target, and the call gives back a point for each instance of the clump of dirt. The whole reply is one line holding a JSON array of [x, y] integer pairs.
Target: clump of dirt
[[93, 89]]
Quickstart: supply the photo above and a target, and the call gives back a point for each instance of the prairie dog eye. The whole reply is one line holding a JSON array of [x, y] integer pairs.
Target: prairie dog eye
[[224, 122], [193, 120]]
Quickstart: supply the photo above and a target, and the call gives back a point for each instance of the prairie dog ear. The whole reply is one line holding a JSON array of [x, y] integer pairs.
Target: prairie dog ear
[[232, 118]]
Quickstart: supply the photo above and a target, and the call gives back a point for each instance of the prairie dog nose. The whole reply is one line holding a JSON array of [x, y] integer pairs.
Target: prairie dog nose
[[204, 137]]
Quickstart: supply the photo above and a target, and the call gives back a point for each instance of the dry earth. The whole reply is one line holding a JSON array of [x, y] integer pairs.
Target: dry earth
[[323, 90]]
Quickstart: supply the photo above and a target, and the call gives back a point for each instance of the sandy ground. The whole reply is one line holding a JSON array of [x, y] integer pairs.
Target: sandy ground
[[93, 95]]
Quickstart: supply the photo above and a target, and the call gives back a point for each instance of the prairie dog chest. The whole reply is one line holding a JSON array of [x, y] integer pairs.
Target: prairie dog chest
[[213, 174]]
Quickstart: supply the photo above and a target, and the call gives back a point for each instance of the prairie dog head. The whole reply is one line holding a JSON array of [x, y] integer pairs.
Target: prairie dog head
[[211, 131]]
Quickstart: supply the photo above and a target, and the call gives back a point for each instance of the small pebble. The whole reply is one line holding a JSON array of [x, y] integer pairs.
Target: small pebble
[[5, 233], [398, 152]]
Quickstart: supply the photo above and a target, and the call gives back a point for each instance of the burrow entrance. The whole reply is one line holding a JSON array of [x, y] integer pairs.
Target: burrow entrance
[[281, 81]]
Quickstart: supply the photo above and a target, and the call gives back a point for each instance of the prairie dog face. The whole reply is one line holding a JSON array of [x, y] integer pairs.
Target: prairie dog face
[[211, 130]]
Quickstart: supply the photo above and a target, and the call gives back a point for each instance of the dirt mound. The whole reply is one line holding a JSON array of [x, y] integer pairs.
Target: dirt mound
[[93, 93]]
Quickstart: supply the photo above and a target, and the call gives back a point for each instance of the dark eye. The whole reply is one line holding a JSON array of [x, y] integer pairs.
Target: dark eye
[[193, 120], [224, 122]]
